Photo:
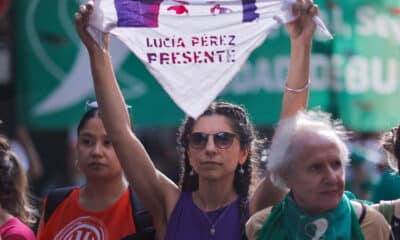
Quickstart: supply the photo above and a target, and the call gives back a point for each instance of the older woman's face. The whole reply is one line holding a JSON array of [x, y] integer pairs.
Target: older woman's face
[[317, 176]]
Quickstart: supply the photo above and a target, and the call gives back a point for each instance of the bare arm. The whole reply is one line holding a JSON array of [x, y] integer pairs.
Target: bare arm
[[155, 190], [265, 195], [301, 31]]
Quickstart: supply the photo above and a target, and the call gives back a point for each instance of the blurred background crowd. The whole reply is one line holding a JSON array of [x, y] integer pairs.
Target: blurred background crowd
[[45, 82]]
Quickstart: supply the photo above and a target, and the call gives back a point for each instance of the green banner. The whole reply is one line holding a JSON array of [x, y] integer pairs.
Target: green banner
[[260, 83], [366, 62], [53, 73]]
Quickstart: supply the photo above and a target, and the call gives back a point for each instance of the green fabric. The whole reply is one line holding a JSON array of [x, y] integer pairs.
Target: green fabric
[[387, 188], [351, 196], [287, 221], [386, 208]]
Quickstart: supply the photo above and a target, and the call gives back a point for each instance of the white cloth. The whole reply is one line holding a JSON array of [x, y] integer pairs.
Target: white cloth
[[195, 47]]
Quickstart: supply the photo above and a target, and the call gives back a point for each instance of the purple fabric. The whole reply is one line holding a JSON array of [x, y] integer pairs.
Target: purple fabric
[[144, 13], [249, 10], [137, 13], [188, 221]]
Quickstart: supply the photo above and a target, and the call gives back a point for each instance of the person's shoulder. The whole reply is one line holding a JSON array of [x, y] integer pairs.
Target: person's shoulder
[[373, 224], [256, 221], [17, 230], [367, 213]]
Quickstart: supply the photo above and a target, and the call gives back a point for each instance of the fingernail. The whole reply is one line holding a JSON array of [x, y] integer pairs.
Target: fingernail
[[90, 4], [82, 8]]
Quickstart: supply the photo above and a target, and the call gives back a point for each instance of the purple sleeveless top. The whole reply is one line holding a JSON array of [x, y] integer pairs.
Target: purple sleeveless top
[[190, 222]]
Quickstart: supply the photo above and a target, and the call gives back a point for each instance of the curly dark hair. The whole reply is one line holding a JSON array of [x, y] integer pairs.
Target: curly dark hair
[[14, 189], [246, 133], [391, 143]]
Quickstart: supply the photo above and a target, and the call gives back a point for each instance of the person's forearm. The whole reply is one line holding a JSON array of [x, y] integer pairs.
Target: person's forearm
[[298, 78], [265, 195], [111, 102]]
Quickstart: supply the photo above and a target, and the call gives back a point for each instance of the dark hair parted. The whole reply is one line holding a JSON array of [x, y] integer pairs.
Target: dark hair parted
[[14, 187], [391, 143], [91, 113], [246, 134]]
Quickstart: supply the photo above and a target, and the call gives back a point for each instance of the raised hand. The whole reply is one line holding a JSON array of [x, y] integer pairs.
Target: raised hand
[[81, 24], [302, 29]]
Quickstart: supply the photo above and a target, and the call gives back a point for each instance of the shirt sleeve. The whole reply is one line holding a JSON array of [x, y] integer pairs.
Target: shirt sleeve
[[374, 225], [255, 223]]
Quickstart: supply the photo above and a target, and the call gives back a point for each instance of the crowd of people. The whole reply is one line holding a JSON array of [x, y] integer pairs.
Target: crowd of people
[[300, 196]]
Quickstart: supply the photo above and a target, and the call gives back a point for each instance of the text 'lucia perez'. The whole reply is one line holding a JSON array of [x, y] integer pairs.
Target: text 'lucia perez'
[[203, 49]]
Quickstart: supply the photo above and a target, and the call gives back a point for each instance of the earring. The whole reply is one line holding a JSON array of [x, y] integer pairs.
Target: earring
[[191, 172], [241, 170], [77, 165]]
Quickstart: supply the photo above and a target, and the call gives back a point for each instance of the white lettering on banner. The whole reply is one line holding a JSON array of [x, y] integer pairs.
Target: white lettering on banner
[[339, 26], [281, 68], [356, 75], [263, 77], [320, 72], [270, 75], [361, 75], [366, 18], [384, 84], [370, 23], [364, 74]]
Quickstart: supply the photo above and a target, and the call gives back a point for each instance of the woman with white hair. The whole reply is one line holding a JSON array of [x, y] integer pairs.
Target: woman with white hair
[[308, 156]]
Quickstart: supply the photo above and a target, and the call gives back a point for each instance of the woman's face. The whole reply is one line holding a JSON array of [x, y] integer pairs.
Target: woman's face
[[212, 161], [96, 155], [316, 177]]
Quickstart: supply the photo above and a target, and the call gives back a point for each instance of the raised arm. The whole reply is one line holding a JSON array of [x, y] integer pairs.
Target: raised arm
[[295, 96], [155, 190], [301, 31]]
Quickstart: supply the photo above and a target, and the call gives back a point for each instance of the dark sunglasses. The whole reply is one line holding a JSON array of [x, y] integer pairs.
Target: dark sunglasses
[[222, 140]]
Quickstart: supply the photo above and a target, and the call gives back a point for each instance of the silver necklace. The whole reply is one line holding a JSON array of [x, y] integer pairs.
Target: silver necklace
[[214, 224]]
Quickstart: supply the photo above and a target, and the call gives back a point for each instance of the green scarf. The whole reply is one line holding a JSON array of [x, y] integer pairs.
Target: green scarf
[[287, 221]]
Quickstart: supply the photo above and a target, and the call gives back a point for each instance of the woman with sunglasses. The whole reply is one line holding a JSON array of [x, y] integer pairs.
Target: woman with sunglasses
[[103, 207], [16, 212], [218, 148]]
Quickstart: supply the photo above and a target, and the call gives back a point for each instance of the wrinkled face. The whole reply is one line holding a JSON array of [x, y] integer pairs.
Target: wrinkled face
[[213, 162], [316, 177], [96, 155]]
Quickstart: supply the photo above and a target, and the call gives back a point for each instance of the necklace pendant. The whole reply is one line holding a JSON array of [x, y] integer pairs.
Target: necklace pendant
[[212, 230]]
